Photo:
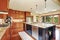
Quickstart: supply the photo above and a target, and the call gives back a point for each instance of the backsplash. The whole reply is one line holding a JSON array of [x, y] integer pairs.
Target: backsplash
[[18, 20], [1, 21]]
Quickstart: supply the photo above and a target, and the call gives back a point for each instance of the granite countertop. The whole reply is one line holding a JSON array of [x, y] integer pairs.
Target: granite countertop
[[2, 31], [42, 25], [4, 25]]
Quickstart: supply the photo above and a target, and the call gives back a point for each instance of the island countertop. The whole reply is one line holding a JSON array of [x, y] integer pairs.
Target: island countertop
[[41, 25]]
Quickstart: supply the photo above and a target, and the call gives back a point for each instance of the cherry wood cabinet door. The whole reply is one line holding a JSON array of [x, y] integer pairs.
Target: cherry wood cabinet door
[[16, 14], [6, 36], [4, 5], [28, 13]]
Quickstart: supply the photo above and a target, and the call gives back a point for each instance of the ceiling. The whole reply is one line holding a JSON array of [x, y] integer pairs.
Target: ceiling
[[26, 5]]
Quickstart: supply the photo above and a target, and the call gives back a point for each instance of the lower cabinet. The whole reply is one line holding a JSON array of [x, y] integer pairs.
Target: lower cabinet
[[6, 36], [29, 29], [15, 28], [12, 32], [41, 33], [35, 32], [14, 35], [47, 33]]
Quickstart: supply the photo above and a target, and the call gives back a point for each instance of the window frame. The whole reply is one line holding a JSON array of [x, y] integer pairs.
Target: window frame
[[52, 19]]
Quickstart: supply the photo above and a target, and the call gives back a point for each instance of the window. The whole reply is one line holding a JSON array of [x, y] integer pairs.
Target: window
[[43, 19], [37, 18], [55, 19], [49, 19]]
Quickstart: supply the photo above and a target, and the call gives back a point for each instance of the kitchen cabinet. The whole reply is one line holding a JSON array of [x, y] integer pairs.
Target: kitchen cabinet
[[29, 19], [29, 29], [47, 33], [3, 16], [6, 35], [41, 32], [4, 5], [35, 32], [14, 29], [4, 38], [16, 14], [17, 26], [28, 14], [12, 32]]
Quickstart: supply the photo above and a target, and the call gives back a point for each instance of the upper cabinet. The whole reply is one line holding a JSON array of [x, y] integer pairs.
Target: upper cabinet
[[28, 14], [16, 14], [4, 5]]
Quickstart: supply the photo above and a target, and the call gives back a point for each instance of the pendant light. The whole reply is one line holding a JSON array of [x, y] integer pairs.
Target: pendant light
[[45, 4], [31, 11], [36, 9]]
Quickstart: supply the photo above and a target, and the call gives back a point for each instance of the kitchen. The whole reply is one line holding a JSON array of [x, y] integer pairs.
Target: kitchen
[[37, 21]]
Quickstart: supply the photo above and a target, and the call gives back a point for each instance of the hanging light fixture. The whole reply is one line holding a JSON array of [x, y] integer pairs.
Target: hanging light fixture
[[45, 4], [44, 10], [36, 9], [36, 6], [31, 11]]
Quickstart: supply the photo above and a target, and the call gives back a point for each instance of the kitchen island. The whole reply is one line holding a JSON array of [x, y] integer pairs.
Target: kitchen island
[[41, 31]]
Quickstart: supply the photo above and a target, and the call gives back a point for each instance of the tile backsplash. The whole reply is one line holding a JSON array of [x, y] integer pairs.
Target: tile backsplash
[[18, 20], [1, 21]]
